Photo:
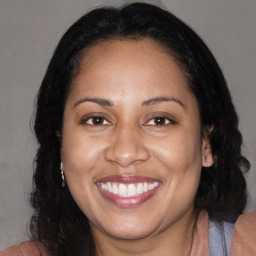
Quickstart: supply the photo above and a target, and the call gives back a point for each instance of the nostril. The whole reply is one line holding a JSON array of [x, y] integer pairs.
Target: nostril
[[126, 152]]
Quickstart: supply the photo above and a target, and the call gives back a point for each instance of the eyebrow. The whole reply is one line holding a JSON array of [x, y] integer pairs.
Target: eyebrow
[[157, 100], [149, 102], [100, 101]]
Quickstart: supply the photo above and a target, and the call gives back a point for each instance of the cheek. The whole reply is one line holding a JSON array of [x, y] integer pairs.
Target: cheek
[[180, 153], [80, 154]]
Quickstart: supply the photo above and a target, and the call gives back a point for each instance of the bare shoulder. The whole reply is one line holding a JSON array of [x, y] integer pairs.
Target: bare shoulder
[[25, 249], [244, 238]]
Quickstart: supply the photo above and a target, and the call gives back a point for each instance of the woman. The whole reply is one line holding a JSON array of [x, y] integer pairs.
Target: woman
[[139, 151]]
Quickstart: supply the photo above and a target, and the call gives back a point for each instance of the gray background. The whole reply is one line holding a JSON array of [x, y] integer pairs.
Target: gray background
[[29, 32]]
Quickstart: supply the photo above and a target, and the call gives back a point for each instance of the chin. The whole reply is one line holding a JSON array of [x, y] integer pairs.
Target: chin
[[130, 234], [128, 230]]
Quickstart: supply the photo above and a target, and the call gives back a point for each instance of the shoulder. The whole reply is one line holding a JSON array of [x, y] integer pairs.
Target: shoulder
[[244, 237], [25, 249]]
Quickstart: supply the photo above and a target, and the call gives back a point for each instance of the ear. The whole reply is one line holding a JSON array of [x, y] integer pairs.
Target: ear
[[207, 158]]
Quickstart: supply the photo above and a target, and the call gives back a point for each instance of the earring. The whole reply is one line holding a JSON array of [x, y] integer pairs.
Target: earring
[[63, 182]]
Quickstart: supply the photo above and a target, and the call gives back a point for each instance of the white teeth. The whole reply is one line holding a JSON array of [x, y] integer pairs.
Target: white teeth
[[145, 187], [155, 184], [115, 189], [126, 190], [122, 190], [132, 191], [140, 188], [109, 187], [152, 185]]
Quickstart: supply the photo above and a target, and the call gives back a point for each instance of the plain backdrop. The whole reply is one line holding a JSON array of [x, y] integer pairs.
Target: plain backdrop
[[29, 32]]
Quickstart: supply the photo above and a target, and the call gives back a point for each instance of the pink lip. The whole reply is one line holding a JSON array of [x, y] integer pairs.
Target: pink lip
[[127, 202]]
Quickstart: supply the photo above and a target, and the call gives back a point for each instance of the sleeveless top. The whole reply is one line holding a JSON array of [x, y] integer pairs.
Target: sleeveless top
[[220, 237]]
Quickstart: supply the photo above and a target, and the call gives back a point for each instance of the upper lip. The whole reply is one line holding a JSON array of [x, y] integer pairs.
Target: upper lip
[[126, 179]]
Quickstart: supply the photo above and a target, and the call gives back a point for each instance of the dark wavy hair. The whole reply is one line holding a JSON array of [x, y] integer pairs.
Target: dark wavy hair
[[57, 221]]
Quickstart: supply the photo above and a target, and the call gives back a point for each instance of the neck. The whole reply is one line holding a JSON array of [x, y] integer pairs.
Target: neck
[[174, 240]]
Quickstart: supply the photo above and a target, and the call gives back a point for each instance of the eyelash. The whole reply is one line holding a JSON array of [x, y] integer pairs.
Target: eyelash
[[167, 121], [100, 120]]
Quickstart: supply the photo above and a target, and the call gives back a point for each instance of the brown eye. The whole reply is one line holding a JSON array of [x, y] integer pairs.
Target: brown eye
[[96, 121], [159, 121]]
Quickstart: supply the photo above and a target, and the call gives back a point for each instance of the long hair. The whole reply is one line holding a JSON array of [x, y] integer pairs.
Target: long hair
[[57, 221]]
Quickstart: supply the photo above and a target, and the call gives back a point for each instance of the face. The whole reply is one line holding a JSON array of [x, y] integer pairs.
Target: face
[[132, 149]]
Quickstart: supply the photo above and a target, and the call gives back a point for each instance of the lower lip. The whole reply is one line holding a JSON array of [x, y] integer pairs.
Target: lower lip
[[128, 202]]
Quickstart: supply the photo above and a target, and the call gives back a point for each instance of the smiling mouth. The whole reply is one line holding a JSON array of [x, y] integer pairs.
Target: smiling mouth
[[125, 191], [128, 190]]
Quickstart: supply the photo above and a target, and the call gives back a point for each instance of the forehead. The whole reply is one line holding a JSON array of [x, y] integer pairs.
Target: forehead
[[127, 67], [134, 49]]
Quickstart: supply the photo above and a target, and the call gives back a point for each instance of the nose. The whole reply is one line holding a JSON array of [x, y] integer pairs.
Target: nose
[[126, 148]]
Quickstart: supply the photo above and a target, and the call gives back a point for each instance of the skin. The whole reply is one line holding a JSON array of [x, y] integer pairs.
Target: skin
[[128, 140]]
